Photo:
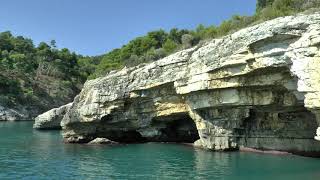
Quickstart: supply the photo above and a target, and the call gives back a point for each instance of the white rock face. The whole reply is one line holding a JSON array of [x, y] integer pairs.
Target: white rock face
[[51, 119], [318, 134], [97, 141], [7, 114], [258, 88]]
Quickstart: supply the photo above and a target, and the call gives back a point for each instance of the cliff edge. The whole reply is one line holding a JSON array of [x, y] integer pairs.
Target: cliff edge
[[258, 88]]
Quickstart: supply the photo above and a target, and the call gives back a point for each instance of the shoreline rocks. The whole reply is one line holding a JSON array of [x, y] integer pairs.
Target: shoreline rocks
[[51, 119], [102, 141], [9, 114], [245, 149]]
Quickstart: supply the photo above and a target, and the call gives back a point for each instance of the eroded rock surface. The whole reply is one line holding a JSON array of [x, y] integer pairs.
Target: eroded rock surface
[[10, 114], [98, 141], [257, 88], [51, 119]]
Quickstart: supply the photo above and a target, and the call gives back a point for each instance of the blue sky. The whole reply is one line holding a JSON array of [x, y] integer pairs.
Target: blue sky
[[93, 27]]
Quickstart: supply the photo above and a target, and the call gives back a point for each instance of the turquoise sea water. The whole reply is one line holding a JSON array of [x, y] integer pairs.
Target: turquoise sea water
[[29, 154]]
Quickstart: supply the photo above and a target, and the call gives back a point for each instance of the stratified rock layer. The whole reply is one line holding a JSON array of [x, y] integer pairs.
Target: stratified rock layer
[[257, 88], [51, 119]]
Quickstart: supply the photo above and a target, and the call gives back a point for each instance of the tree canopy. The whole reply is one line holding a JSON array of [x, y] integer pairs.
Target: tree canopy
[[23, 65]]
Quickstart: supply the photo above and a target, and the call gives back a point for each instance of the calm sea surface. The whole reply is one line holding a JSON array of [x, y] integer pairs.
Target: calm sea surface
[[29, 154]]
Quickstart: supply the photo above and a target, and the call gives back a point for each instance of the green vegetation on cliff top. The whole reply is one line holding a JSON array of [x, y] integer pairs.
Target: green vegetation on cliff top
[[39, 76], [45, 76], [158, 44]]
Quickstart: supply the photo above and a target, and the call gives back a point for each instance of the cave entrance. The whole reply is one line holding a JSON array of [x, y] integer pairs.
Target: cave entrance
[[179, 128], [128, 136], [115, 130]]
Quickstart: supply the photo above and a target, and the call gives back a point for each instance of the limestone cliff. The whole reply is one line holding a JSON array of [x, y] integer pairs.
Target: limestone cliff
[[258, 88]]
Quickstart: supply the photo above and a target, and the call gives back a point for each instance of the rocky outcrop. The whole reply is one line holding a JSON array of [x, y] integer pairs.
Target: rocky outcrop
[[98, 141], [51, 119], [10, 114], [257, 88]]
